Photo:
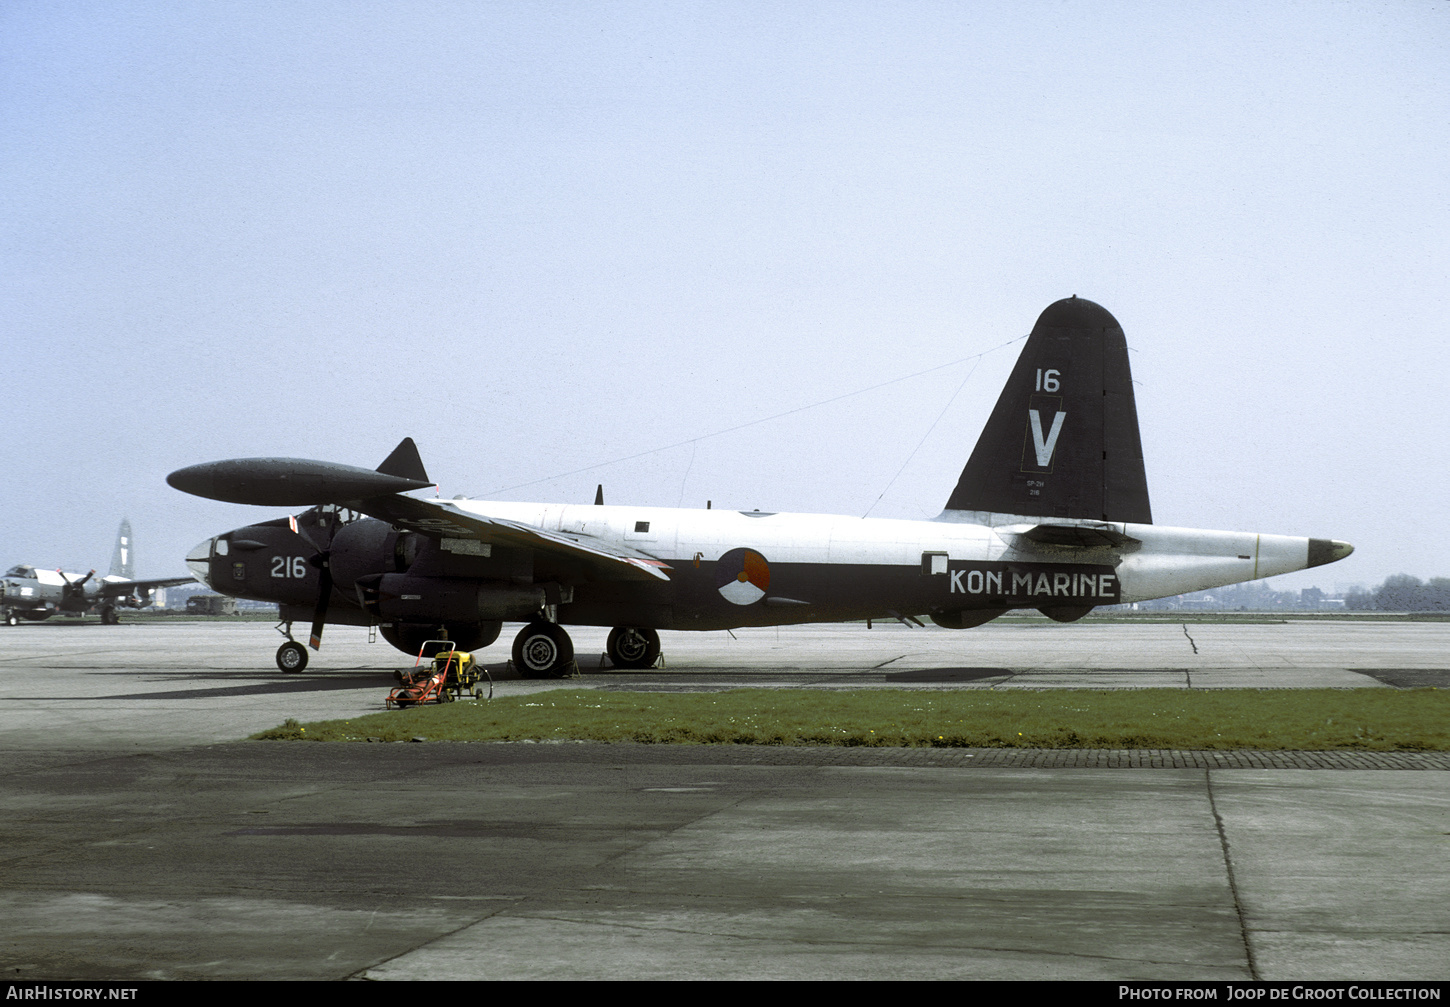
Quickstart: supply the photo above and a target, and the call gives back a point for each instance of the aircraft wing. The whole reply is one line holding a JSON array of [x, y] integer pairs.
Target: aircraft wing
[[115, 588], [443, 520]]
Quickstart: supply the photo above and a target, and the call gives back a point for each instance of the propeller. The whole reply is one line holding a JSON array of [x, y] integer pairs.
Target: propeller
[[75, 588], [322, 561]]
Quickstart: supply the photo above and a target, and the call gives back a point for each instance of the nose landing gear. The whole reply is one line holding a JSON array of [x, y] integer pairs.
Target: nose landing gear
[[291, 656]]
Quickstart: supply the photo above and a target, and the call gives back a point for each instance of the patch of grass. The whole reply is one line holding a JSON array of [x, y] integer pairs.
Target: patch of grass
[[1269, 719]]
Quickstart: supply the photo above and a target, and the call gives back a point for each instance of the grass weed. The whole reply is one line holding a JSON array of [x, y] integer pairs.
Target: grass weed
[[1268, 719]]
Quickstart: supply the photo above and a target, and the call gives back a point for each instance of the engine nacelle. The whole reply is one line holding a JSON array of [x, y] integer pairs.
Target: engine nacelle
[[398, 597], [410, 637]]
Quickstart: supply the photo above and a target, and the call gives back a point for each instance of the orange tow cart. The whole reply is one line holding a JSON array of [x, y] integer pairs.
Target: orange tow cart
[[450, 674]]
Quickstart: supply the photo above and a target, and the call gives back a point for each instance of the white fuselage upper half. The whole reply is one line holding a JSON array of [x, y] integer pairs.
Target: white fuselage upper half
[[1154, 562]]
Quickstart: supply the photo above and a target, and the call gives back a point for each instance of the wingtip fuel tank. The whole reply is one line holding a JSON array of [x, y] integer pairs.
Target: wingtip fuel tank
[[287, 482]]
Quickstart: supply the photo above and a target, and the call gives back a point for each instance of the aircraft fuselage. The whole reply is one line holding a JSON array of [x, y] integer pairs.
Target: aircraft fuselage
[[728, 569]]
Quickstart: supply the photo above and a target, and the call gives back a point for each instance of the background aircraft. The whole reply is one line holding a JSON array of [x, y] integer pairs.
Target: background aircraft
[[1051, 512], [29, 592]]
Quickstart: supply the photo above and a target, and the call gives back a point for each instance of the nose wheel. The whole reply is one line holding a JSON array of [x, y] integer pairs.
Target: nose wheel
[[291, 656], [633, 647], [543, 650]]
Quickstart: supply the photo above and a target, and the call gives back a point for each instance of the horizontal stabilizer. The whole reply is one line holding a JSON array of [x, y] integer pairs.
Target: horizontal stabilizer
[[290, 482], [1077, 536]]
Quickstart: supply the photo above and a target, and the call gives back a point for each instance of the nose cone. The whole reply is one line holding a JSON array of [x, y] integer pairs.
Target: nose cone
[[198, 561], [1327, 550]]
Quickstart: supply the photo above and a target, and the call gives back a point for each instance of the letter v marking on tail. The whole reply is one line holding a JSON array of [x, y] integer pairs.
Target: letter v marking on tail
[[1045, 447]]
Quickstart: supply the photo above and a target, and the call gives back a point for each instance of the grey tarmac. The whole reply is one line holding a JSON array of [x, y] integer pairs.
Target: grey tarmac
[[142, 839]]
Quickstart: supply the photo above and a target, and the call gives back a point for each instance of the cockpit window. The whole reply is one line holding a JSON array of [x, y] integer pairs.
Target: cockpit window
[[21, 571]]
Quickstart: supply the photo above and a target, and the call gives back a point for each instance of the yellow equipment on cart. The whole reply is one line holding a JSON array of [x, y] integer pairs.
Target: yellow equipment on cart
[[450, 674]]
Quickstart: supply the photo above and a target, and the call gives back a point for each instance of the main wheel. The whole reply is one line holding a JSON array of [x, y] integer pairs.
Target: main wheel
[[291, 656], [11, 619], [633, 647], [109, 617], [543, 650]]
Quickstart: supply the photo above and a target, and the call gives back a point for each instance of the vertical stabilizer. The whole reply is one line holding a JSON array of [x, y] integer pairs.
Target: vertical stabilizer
[[405, 462], [123, 560], [1063, 439]]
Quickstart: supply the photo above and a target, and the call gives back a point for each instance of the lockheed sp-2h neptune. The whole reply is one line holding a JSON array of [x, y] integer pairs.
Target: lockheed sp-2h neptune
[[1051, 513], [33, 593]]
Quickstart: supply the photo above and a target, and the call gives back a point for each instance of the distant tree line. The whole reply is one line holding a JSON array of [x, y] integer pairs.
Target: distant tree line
[[1402, 593], [1254, 596]]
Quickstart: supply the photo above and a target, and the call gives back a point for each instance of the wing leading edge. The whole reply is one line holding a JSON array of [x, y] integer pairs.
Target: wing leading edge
[[446, 520], [288, 482], [115, 588]]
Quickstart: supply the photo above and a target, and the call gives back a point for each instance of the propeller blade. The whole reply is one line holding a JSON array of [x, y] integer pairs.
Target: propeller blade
[[324, 593], [301, 531]]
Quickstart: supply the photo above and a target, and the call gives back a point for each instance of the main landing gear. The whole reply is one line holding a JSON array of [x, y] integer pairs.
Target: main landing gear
[[543, 650], [633, 647]]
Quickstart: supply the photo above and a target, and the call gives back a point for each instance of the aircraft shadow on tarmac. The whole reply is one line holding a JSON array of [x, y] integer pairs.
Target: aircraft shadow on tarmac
[[312, 683], [948, 674], [1409, 678]]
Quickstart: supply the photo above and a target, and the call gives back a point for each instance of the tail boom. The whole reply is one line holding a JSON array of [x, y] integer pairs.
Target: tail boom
[[1174, 561]]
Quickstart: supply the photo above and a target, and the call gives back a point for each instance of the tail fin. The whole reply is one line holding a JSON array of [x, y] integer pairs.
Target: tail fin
[[123, 562], [1063, 440]]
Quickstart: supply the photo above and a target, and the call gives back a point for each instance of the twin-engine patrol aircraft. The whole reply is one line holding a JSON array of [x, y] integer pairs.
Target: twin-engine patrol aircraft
[[29, 592], [1051, 513]]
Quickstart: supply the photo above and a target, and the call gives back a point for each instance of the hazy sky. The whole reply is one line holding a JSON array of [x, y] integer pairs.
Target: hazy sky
[[540, 237]]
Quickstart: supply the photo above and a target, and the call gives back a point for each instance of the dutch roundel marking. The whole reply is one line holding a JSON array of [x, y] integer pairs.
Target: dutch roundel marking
[[743, 576]]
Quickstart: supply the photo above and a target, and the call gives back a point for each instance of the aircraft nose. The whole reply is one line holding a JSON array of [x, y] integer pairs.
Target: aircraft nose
[[198, 561], [1327, 550]]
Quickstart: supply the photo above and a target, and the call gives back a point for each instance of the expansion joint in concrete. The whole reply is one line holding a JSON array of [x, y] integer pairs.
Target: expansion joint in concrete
[[1233, 886]]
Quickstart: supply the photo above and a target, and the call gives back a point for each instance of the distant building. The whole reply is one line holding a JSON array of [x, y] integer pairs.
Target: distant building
[[211, 604]]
